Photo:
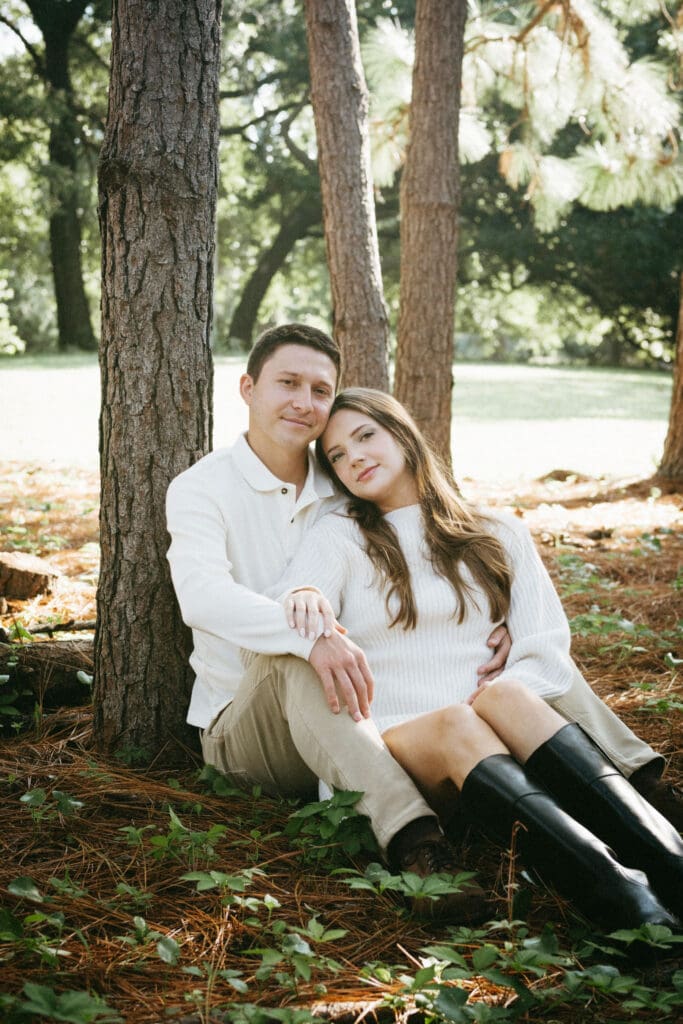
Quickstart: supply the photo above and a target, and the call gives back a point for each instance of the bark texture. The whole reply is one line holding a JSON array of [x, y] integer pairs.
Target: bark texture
[[340, 107], [672, 460], [430, 198], [158, 180], [57, 23]]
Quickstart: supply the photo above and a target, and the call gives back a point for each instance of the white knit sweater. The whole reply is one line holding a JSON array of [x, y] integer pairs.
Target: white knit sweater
[[435, 664]]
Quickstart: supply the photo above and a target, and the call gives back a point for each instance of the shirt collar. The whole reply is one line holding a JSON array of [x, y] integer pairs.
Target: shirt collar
[[259, 477]]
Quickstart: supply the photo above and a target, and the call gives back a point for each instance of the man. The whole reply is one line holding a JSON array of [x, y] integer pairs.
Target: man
[[235, 519]]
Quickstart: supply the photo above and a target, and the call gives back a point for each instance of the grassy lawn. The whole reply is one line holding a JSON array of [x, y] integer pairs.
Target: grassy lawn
[[510, 422]]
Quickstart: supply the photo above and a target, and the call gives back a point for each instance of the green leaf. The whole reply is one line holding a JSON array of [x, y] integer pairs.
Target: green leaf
[[73, 1007], [26, 889], [168, 950], [450, 1002], [485, 956], [11, 928], [34, 798]]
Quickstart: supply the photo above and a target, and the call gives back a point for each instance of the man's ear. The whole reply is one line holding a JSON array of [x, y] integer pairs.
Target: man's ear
[[246, 388]]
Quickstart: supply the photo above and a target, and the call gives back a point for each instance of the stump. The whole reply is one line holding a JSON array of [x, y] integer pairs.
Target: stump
[[23, 576], [50, 669]]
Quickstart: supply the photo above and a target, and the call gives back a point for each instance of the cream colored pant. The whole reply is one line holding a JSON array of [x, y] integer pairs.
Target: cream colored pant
[[279, 732], [581, 705]]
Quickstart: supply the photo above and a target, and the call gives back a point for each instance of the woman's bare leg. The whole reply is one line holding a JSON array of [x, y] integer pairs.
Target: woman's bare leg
[[520, 719], [439, 749]]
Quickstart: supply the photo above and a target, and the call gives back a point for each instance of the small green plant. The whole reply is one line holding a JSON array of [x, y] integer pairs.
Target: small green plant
[[332, 829], [292, 959], [580, 577], [75, 1007], [178, 842], [44, 806], [167, 949], [378, 880]]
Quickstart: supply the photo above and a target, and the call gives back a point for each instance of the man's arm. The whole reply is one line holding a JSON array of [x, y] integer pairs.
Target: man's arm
[[209, 597]]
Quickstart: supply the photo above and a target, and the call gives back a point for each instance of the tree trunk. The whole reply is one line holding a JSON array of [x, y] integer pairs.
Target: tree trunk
[[340, 108], [672, 460], [294, 225], [57, 22], [158, 180], [429, 221]]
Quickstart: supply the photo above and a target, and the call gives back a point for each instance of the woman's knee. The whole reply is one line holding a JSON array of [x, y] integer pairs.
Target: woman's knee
[[504, 694]]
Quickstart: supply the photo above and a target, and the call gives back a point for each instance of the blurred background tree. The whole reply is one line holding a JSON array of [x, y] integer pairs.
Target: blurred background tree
[[569, 112]]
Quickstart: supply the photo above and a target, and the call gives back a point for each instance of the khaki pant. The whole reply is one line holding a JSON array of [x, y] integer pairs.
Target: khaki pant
[[581, 705], [279, 732]]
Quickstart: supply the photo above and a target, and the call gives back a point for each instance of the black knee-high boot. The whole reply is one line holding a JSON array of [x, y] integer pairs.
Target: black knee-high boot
[[593, 790], [499, 791]]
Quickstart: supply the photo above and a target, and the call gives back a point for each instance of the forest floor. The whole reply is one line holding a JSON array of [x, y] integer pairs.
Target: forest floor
[[100, 921]]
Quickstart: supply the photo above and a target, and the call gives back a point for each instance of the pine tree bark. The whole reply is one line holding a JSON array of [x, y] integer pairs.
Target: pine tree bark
[[340, 108], [430, 197], [157, 182], [671, 465], [57, 23]]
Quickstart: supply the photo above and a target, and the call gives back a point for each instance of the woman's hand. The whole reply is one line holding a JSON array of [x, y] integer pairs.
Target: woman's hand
[[501, 642], [304, 608]]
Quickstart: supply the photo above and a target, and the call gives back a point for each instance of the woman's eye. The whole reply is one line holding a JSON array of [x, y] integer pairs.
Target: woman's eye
[[366, 435], [335, 458]]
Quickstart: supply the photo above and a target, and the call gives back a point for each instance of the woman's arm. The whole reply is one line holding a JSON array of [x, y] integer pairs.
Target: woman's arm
[[539, 656]]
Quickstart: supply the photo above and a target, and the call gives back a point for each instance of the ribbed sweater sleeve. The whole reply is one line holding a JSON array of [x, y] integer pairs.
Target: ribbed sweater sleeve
[[538, 626], [320, 562]]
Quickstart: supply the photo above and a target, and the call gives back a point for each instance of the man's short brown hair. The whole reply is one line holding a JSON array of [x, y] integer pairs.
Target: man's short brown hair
[[291, 334]]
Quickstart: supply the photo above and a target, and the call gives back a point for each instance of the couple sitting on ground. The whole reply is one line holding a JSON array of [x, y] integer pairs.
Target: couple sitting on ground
[[373, 535]]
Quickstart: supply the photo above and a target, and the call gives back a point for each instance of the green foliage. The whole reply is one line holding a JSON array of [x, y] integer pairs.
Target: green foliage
[[179, 843], [378, 880], [331, 829]]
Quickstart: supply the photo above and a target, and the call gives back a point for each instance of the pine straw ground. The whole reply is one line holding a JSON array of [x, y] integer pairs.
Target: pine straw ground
[[613, 549]]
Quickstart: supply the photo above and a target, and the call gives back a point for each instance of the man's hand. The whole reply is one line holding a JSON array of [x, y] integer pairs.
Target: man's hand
[[342, 667], [501, 642]]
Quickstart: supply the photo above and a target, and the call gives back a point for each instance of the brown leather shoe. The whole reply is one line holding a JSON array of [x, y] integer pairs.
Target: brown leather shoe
[[664, 797], [435, 857]]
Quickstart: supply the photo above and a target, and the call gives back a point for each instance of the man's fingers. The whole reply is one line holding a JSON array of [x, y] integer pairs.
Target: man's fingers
[[330, 691], [352, 698]]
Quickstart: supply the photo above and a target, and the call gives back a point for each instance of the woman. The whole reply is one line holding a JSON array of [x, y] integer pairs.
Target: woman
[[417, 578]]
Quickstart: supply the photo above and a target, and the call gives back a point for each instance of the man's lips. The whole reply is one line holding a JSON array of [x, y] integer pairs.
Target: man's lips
[[365, 474], [296, 422]]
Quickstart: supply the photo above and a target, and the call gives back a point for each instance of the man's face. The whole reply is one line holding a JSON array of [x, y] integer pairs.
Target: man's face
[[290, 402]]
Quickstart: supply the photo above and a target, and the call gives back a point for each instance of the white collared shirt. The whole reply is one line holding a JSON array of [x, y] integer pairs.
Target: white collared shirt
[[234, 528]]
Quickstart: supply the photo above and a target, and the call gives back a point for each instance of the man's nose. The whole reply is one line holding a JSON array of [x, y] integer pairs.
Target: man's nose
[[303, 399]]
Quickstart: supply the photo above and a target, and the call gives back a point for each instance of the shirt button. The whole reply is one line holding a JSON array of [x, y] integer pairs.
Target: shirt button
[[284, 491]]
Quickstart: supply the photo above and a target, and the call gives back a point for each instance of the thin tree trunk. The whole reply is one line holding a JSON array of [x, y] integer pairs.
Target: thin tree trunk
[[158, 180], [294, 225], [57, 23], [672, 460], [340, 108], [429, 221]]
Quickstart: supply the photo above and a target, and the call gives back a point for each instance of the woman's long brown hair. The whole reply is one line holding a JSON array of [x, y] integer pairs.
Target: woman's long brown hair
[[455, 533]]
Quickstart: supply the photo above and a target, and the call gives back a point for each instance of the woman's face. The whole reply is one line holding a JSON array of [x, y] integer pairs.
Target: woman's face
[[368, 460]]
